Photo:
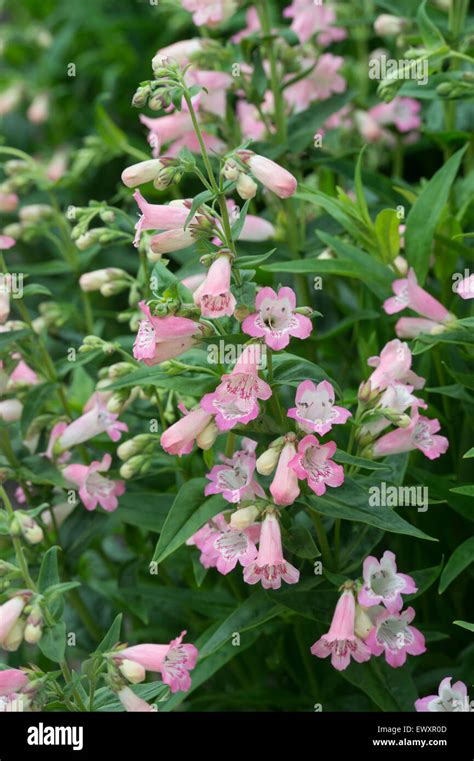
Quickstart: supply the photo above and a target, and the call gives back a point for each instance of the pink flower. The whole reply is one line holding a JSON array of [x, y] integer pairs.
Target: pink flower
[[166, 129], [94, 488], [315, 409], [158, 216], [420, 434], [172, 240], [393, 635], [310, 19], [383, 584], [174, 661], [396, 398], [404, 113], [213, 296], [368, 127], [313, 463], [180, 52], [256, 229], [275, 318], [322, 82], [465, 289], [210, 13], [132, 702], [162, 338], [223, 546], [96, 420], [253, 25], [409, 294], [235, 398], [139, 174], [249, 119], [179, 437], [269, 173], [12, 680], [10, 613], [6, 242], [284, 487], [411, 327], [234, 479], [393, 365], [22, 375], [270, 567], [341, 642], [449, 699], [8, 202]]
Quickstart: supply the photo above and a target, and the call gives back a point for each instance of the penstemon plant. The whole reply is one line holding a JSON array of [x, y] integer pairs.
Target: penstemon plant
[[216, 440]]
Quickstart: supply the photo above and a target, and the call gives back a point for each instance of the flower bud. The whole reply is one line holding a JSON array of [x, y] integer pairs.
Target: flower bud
[[14, 637], [244, 517], [246, 187], [231, 170], [132, 671], [207, 437], [363, 624], [30, 529], [34, 212], [144, 171], [141, 96], [267, 461], [134, 446], [93, 281], [134, 466], [386, 25]]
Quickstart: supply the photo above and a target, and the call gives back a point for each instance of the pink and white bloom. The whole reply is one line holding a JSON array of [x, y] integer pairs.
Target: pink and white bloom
[[315, 409], [420, 434], [180, 51], [235, 398], [158, 216], [10, 613], [465, 288], [397, 398], [162, 338], [313, 463], [450, 698], [322, 82], [164, 130], [6, 242], [223, 546], [96, 419], [132, 702], [179, 438], [404, 113], [210, 13], [173, 661], [275, 319], [341, 641], [172, 240], [411, 327], [234, 478], [270, 567], [393, 365], [249, 119], [22, 375], [12, 680], [284, 487], [269, 173], [213, 296], [94, 488], [393, 635], [409, 294], [383, 584], [310, 19]]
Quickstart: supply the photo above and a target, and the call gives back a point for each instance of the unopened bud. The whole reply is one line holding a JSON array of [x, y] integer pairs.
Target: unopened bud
[[231, 170], [244, 517], [144, 171], [132, 671], [363, 624], [267, 461], [246, 187], [207, 437], [14, 637], [93, 281]]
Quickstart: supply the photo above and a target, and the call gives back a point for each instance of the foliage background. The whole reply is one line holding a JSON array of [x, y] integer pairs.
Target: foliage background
[[111, 44]]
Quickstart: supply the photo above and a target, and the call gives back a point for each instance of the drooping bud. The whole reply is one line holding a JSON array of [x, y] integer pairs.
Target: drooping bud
[[144, 171], [268, 460], [95, 280], [34, 626], [207, 437], [30, 529], [246, 187], [363, 624]]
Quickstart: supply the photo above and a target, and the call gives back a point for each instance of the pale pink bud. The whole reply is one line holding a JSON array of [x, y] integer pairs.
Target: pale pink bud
[[131, 702], [93, 281], [244, 517], [272, 175], [38, 111], [144, 171], [8, 202], [132, 671], [246, 187], [387, 25], [284, 487], [10, 410]]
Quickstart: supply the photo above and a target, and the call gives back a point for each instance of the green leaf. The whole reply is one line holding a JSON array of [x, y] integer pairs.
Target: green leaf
[[431, 36], [237, 226], [11, 336], [36, 289], [49, 574], [248, 262], [112, 637], [425, 213], [361, 462], [381, 276], [469, 453], [53, 642], [359, 189], [387, 234], [461, 558], [299, 542], [198, 200], [467, 490], [188, 513], [112, 135], [253, 612], [390, 689], [465, 625], [33, 403], [147, 510]]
